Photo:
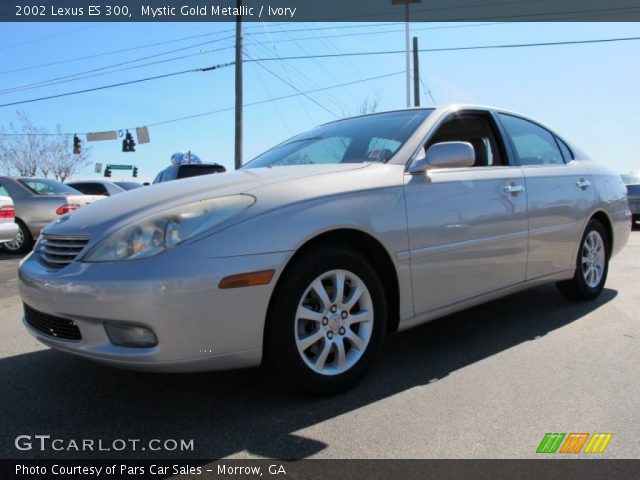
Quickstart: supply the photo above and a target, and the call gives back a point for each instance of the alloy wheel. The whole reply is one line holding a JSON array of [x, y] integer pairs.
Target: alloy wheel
[[17, 243], [334, 322], [593, 259]]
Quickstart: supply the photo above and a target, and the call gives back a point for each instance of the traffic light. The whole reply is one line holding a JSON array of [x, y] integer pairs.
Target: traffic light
[[135, 171], [77, 145], [107, 171], [128, 145]]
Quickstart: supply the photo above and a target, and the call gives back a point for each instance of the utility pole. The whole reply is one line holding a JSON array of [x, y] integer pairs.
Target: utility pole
[[238, 109], [416, 74], [406, 4]]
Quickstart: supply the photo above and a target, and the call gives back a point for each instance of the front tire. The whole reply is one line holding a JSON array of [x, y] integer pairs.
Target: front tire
[[327, 321], [23, 241], [592, 265]]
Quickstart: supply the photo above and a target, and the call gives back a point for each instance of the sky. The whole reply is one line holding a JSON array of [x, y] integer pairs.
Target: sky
[[588, 93]]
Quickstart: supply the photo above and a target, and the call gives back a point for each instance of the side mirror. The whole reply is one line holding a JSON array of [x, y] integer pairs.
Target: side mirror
[[444, 155]]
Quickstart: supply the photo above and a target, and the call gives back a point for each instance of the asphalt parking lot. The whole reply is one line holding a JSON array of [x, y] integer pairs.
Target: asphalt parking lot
[[488, 382]]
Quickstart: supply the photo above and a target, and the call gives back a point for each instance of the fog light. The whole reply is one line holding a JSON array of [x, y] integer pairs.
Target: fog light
[[130, 335]]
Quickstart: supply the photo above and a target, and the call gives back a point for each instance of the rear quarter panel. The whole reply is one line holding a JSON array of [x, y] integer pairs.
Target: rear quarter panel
[[611, 198]]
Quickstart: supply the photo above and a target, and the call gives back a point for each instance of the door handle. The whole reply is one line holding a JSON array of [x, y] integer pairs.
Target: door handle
[[583, 184], [514, 189]]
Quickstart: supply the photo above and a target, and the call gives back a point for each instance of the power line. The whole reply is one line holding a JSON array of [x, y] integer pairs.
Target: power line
[[283, 97], [344, 54], [80, 76], [291, 85], [103, 87], [48, 82], [228, 109], [83, 75], [449, 49], [55, 35], [165, 42]]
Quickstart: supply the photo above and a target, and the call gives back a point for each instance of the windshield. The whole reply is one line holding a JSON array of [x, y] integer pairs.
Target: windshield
[[371, 138], [631, 179], [43, 186]]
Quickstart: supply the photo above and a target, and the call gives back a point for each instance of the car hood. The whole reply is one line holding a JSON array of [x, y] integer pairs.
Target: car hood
[[102, 217]]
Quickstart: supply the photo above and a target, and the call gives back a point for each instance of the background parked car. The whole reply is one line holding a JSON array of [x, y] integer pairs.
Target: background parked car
[[37, 202], [632, 181], [175, 172], [96, 187], [8, 227]]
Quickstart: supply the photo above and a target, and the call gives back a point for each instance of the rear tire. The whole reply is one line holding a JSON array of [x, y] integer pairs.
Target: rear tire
[[23, 242], [327, 321], [592, 265]]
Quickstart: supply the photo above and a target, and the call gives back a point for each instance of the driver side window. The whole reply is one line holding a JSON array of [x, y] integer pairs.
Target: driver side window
[[476, 129]]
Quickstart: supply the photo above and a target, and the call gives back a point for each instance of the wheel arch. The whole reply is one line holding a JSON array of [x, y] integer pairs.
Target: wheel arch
[[603, 218], [364, 243]]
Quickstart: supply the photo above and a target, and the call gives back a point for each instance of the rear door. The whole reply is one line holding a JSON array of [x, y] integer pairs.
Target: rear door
[[467, 226], [559, 193]]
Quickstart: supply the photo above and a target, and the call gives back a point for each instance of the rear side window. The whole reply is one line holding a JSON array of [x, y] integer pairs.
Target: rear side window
[[186, 171], [90, 188], [533, 144], [43, 186], [3, 192], [566, 151]]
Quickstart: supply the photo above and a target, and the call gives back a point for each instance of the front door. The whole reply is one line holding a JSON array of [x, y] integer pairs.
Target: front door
[[467, 226]]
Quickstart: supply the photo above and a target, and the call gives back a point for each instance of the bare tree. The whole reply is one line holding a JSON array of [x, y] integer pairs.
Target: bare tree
[[28, 150], [368, 105], [23, 146], [62, 161]]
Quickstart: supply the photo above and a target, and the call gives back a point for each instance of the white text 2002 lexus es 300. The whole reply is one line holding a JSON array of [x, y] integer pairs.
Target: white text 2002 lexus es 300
[[315, 250]]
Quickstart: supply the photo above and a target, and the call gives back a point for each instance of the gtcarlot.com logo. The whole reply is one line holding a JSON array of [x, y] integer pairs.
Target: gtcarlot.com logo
[[45, 443], [573, 443]]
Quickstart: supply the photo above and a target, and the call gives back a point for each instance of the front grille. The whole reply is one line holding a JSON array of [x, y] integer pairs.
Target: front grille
[[59, 251], [54, 326]]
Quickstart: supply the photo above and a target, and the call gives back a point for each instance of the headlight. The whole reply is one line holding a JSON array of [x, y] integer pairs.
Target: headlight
[[165, 230]]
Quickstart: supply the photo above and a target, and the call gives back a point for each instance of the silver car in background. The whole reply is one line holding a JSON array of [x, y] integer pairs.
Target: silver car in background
[[96, 187], [313, 252], [37, 202], [632, 181], [8, 226]]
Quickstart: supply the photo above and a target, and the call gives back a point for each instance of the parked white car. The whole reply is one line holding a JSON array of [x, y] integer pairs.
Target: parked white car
[[8, 226]]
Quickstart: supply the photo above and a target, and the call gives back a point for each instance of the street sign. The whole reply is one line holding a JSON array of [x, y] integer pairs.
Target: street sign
[[121, 167], [143, 135], [98, 136]]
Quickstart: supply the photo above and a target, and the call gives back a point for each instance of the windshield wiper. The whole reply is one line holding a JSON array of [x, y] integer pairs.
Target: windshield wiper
[[309, 139]]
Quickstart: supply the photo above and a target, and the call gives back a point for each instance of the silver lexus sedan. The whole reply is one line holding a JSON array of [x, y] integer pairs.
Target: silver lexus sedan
[[312, 253]]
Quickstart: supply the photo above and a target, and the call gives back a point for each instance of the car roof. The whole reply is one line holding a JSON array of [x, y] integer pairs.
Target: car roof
[[442, 107], [11, 177], [99, 180]]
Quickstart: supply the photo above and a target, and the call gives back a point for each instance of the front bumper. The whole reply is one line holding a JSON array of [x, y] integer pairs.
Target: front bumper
[[8, 231], [176, 295]]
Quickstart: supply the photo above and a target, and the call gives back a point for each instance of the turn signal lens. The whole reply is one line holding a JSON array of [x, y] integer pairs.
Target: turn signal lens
[[66, 208], [7, 211], [247, 279]]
